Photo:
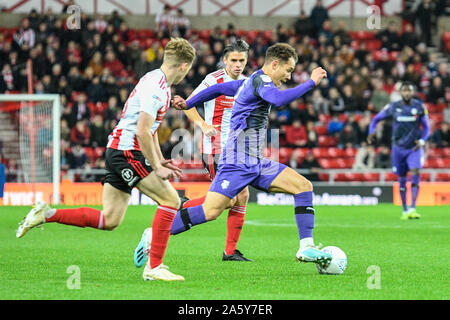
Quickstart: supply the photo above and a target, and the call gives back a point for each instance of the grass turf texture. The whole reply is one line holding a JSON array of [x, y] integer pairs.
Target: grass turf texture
[[412, 256]]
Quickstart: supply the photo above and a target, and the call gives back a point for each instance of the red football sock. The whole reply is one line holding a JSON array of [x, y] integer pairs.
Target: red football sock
[[80, 217], [194, 202], [162, 222], [235, 221]]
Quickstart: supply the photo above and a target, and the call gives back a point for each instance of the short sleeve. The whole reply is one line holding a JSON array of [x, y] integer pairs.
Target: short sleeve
[[150, 101], [206, 83], [262, 83]]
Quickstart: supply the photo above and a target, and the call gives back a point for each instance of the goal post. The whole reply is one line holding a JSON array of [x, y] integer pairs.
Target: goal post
[[36, 121]]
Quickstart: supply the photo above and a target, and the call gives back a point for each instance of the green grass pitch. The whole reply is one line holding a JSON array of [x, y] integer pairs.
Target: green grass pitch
[[412, 257]]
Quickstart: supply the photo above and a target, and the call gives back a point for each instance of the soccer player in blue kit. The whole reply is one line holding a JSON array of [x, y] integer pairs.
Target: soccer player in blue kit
[[408, 140], [241, 162]]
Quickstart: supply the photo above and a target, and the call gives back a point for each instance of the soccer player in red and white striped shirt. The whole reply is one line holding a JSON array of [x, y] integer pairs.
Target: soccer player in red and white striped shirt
[[216, 127], [134, 159]]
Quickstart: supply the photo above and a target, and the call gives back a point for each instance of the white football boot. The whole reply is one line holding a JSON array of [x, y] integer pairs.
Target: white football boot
[[160, 272], [34, 218]]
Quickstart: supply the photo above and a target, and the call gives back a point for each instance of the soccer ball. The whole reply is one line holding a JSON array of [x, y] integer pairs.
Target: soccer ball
[[338, 262]]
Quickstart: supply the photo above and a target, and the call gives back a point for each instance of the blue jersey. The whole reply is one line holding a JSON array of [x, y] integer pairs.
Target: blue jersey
[[407, 121]]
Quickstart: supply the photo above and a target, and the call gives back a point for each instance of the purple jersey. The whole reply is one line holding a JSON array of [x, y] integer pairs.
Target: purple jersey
[[407, 120], [254, 98]]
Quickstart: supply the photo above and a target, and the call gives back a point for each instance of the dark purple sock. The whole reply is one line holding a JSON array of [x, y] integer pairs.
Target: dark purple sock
[[304, 214], [414, 189], [187, 218], [402, 181]]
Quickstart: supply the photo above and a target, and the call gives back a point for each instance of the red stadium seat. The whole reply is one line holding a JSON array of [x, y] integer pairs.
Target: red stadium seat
[[443, 177], [435, 153], [350, 152], [446, 36], [425, 176], [324, 118], [335, 153], [446, 152], [320, 153], [321, 130], [327, 141], [324, 176], [267, 34], [324, 163], [373, 45], [390, 177]]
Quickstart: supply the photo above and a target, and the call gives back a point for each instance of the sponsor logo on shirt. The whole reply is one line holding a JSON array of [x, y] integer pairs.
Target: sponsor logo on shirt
[[406, 118]]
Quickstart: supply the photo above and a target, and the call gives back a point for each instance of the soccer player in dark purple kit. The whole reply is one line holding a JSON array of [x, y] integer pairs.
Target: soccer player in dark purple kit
[[242, 164], [408, 139]]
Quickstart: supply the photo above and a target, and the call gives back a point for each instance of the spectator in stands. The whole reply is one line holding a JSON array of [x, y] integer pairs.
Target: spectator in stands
[[337, 105], [348, 138], [383, 158], [164, 22], [442, 136], [436, 92], [294, 112], [379, 98], [446, 113], [303, 25], [113, 64], [409, 38], [12, 171], [80, 133], [7, 78], [365, 157], [80, 110], [25, 37], [181, 24], [64, 130], [112, 111], [318, 16], [313, 165], [77, 157], [296, 135], [115, 20], [321, 104], [425, 17], [96, 63], [95, 91], [389, 37], [350, 101], [335, 126], [98, 137], [342, 33], [309, 114], [313, 137]]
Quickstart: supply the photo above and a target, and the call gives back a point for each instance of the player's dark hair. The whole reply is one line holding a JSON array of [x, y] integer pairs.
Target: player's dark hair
[[408, 84], [281, 51], [238, 46]]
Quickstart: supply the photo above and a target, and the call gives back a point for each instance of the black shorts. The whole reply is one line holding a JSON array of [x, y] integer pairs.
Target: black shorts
[[125, 168], [210, 162]]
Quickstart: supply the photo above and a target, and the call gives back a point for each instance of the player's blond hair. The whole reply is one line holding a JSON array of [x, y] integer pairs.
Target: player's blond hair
[[179, 51]]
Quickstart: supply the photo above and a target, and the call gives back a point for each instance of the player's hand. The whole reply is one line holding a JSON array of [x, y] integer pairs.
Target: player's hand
[[164, 173], [167, 163], [419, 143], [371, 138], [179, 103], [318, 74], [209, 130]]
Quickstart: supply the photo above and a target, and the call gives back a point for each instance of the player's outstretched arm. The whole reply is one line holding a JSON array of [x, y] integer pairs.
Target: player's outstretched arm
[[228, 89], [383, 114], [279, 98]]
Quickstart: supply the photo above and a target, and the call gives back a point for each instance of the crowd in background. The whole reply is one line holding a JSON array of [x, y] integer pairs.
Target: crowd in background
[[99, 64]]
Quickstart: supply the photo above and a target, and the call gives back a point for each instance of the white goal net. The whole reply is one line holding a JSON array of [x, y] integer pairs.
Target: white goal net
[[30, 140]]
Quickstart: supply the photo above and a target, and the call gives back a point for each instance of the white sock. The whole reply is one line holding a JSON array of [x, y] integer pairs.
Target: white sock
[[50, 213], [306, 242]]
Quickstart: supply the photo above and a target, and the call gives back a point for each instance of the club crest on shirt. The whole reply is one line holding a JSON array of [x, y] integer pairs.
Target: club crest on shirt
[[414, 111], [225, 184]]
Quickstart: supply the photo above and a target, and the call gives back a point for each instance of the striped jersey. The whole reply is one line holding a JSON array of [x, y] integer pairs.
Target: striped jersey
[[217, 112], [151, 95]]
